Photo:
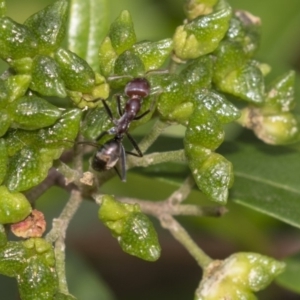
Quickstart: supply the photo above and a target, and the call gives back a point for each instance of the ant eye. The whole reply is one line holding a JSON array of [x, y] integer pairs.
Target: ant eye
[[138, 87]]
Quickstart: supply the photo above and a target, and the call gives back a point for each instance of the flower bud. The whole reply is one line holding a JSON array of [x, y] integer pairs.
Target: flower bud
[[203, 34], [238, 277]]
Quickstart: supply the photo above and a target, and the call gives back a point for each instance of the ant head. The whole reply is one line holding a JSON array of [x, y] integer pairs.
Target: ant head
[[138, 87]]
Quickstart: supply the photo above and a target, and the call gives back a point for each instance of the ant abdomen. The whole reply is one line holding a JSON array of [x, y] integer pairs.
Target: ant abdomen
[[107, 155], [137, 87]]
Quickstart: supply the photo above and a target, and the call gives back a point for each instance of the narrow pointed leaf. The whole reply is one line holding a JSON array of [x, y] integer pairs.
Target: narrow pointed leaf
[[266, 179], [88, 25]]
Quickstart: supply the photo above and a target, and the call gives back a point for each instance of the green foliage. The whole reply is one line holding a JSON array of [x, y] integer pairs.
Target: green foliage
[[131, 227], [32, 264], [238, 276], [204, 77]]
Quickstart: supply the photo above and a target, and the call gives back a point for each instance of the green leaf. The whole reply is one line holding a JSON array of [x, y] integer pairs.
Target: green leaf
[[27, 168], [37, 281], [290, 278], [153, 54], [32, 112], [122, 32], [14, 207], [49, 26], [203, 34], [88, 25], [266, 179], [46, 78], [12, 258], [16, 40], [76, 73], [17, 86], [139, 237]]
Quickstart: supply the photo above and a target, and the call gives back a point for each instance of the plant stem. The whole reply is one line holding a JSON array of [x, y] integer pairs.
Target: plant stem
[[156, 158], [150, 138], [58, 233], [180, 234], [182, 193]]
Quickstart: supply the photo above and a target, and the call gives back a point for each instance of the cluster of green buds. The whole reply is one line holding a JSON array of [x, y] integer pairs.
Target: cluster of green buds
[[133, 230], [32, 264], [217, 49], [238, 277]]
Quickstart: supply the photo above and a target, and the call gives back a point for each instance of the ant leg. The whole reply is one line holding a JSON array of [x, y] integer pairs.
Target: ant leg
[[142, 115], [147, 111], [135, 146], [123, 164], [101, 135], [107, 109], [118, 98]]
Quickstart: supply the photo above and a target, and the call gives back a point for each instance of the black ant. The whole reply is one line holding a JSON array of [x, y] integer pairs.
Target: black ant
[[113, 150]]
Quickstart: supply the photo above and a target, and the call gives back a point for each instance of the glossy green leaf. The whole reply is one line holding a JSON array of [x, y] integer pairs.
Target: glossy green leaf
[[14, 207], [88, 24], [27, 168], [139, 237], [49, 26], [173, 98], [134, 231], [218, 105], [204, 129], [198, 74], [238, 277], [76, 73], [247, 83], [153, 54], [17, 139], [266, 179], [46, 78], [37, 281], [16, 40], [129, 63], [12, 258], [32, 112], [33, 152], [122, 32], [22, 65], [281, 94], [290, 279], [17, 86], [245, 29], [203, 34], [107, 57], [95, 122], [66, 128]]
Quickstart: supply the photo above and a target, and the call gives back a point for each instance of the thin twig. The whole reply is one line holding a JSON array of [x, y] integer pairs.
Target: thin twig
[[158, 127], [180, 234], [182, 193], [58, 233]]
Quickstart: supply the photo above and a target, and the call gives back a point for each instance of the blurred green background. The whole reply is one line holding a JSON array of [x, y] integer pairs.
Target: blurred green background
[[96, 266]]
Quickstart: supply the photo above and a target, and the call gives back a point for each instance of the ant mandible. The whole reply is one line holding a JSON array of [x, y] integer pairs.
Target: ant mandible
[[113, 150]]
